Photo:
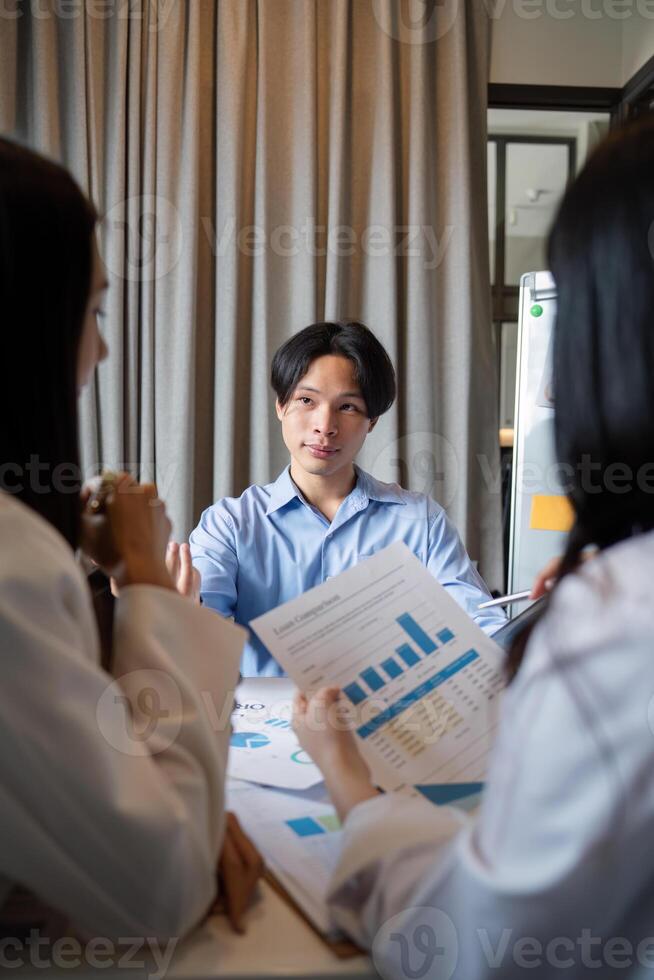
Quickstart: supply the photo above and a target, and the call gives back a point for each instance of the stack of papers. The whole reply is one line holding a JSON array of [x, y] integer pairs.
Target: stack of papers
[[264, 748], [421, 683], [299, 836]]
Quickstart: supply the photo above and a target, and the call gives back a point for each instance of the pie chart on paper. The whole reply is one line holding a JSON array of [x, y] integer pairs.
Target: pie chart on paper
[[249, 740]]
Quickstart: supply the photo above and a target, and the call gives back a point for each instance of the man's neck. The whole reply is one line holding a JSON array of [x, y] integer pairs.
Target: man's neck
[[325, 493]]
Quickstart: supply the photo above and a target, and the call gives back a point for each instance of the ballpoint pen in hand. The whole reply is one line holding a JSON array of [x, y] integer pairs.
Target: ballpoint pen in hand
[[505, 600]]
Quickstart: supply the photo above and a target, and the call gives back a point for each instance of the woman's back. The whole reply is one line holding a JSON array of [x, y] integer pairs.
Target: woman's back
[[112, 814], [559, 858]]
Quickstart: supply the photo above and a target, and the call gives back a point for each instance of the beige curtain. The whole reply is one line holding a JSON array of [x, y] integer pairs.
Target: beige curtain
[[261, 164]]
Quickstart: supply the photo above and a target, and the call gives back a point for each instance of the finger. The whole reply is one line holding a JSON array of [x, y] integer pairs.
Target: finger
[[542, 585], [121, 484], [250, 856], [232, 878], [196, 588], [185, 574], [172, 558], [324, 698], [546, 578], [299, 700], [123, 481], [299, 708], [147, 490]]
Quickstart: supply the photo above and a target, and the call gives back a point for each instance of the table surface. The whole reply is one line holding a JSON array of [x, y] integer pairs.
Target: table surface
[[278, 944]]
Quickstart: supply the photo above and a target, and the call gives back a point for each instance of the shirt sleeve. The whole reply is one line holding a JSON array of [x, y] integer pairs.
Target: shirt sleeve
[[489, 891], [213, 550], [111, 789], [448, 562]]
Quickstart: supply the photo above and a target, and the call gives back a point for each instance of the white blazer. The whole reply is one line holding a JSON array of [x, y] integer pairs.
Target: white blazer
[[555, 874], [114, 821]]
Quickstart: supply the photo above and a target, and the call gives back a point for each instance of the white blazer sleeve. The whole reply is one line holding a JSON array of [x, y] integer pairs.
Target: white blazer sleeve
[[111, 791], [556, 850]]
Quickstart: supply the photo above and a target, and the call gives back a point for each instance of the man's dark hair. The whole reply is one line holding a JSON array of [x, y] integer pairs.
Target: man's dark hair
[[347, 338]]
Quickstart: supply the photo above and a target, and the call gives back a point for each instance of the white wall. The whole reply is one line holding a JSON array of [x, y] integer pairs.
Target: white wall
[[637, 41], [537, 42]]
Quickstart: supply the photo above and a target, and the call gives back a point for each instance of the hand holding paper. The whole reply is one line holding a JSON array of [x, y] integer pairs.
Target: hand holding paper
[[321, 727], [421, 680]]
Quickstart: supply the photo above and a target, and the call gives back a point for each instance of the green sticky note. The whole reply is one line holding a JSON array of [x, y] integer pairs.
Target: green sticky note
[[537, 310], [330, 822]]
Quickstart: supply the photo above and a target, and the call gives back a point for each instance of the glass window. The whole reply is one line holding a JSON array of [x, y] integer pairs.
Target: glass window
[[492, 185], [536, 177], [508, 371]]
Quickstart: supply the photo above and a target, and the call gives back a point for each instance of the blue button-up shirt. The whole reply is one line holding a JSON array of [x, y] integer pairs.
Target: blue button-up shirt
[[270, 545]]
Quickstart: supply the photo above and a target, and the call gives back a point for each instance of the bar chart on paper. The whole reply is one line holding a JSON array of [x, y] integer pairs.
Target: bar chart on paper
[[420, 679], [406, 656]]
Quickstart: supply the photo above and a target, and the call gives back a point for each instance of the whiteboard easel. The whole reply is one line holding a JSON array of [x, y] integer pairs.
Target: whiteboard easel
[[537, 498]]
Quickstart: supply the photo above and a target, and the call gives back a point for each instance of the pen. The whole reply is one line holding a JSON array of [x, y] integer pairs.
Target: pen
[[504, 600]]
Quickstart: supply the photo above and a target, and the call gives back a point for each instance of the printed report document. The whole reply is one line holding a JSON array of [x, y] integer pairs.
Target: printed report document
[[421, 681]]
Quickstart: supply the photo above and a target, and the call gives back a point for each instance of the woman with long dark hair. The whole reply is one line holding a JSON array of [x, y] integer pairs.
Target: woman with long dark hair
[[111, 790], [556, 871]]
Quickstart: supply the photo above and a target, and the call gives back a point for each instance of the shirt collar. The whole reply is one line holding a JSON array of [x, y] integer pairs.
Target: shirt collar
[[372, 489], [282, 491], [367, 488]]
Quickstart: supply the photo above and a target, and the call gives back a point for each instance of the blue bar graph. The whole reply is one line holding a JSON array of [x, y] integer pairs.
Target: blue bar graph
[[445, 636], [372, 679], [405, 702], [355, 693], [392, 668], [409, 656], [416, 632]]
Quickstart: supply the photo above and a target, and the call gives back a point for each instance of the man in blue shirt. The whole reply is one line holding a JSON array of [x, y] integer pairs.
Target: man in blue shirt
[[323, 514]]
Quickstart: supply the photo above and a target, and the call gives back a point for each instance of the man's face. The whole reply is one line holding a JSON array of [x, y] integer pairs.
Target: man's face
[[325, 421]]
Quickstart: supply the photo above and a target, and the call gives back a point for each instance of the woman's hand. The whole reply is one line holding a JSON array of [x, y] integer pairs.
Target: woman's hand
[[240, 867], [546, 578], [180, 567], [128, 535], [325, 732]]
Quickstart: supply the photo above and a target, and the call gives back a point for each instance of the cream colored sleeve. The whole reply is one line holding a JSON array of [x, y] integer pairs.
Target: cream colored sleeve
[[112, 790]]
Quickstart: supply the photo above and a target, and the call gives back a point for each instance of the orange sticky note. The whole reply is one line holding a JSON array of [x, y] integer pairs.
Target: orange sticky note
[[551, 513]]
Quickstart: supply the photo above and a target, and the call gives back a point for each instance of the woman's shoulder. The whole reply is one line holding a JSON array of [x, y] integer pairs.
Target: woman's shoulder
[[607, 605], [622, 575], [31, 547]]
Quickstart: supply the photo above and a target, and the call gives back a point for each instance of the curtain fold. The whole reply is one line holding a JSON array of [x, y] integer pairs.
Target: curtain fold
[[260, 164]]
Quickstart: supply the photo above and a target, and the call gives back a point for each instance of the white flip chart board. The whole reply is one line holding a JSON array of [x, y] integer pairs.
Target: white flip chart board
[[540, 513]]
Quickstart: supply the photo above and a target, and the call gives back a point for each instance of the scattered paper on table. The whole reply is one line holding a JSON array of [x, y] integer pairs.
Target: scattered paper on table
[[299, 837], [264, 749]]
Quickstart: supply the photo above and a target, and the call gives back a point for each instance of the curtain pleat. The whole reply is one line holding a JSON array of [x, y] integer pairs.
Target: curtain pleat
[[260, 164]]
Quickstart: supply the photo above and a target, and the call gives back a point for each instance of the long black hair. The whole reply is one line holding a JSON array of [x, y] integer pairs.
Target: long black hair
[[601, 253], [46, 228]]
